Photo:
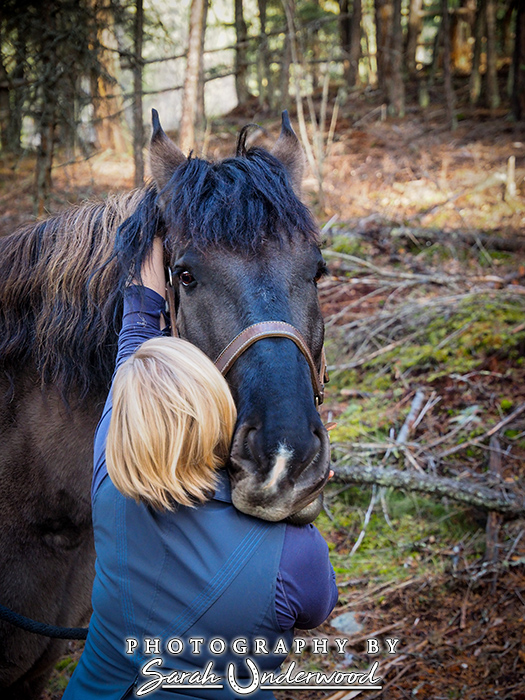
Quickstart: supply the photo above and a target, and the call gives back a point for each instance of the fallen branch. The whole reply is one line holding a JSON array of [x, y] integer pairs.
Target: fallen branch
[[499, 500], [442, 280], [467, 238]]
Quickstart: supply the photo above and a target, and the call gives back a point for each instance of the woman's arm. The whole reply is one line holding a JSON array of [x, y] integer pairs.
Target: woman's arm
[[306, 590], [152, 271], [141, 320]]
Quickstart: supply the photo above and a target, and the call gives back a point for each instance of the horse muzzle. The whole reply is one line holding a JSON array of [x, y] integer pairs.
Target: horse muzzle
[[277, 479], [284, 485]]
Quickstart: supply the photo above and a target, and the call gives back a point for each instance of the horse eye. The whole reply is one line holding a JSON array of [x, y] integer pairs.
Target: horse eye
[[322, 270], [186, 278]]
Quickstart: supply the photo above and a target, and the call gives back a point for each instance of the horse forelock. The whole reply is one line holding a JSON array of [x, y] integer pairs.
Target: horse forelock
[[60, 290], [237, 203]]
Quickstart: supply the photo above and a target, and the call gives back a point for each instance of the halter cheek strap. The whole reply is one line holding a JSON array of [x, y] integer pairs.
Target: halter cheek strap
[[253, 333]]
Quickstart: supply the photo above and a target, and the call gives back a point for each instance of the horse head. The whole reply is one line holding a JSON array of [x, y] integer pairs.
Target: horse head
[[243, 249]]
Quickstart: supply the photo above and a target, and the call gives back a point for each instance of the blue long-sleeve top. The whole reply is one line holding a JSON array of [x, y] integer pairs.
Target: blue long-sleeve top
[[306, 591]]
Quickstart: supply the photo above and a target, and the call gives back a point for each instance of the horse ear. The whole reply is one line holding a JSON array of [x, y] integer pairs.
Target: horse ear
[[289, 151], [164, 156]]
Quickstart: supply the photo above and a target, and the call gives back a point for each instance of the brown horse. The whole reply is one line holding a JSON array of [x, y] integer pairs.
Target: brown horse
[[243, 249]]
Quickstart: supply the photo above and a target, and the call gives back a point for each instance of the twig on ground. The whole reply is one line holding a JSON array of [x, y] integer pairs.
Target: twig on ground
[[384, 588], [368, 515], [494, 519], [489, 433], [413, 414], [372, 355], [514, 545], [384, 507], [374, 633]]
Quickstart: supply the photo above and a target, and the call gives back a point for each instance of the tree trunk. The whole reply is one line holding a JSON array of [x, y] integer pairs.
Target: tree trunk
[[5, 107], [414, 30], [460, 33], [475, 74], [492, 75], [138, 123], [396, 86], [263, 63], [200, 116], [355, 44], [314, 46], [383, 17], [241, 67], [285, 74], [345, 23], [506, 30], [108, 104], [191, 81], [450, 98], [18, 94], [518, 87], [48, 107], [438, 41], [370, 59]]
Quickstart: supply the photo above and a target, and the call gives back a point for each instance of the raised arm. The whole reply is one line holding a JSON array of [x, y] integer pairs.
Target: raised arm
[[141, 320]]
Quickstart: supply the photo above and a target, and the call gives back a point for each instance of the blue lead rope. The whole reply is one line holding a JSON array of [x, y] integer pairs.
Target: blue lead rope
[[29, 625]]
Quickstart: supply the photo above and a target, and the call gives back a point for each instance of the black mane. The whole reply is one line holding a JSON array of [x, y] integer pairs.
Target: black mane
[[238, 203]]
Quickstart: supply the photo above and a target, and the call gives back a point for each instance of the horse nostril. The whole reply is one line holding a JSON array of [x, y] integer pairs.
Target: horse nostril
[[250, 441], [245, 444], [279, 461]]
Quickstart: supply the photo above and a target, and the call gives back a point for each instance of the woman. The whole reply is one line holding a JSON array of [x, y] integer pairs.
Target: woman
[[176, 562]]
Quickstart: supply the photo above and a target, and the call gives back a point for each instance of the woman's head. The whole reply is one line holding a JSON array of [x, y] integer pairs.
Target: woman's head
[[171, 424]]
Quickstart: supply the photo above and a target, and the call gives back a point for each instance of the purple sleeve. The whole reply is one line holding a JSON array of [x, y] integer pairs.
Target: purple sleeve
[[140, 322], [306, 590]]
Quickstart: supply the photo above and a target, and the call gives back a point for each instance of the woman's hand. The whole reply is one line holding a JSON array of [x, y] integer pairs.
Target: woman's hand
[[152, 271]]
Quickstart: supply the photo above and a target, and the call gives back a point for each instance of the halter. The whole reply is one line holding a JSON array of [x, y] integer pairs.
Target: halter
[[253, 333]]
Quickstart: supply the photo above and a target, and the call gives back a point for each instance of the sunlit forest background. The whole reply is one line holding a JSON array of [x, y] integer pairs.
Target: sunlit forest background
[[411, 114]]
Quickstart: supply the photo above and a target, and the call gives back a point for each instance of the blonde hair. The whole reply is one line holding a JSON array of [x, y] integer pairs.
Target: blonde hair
[[171, 425]]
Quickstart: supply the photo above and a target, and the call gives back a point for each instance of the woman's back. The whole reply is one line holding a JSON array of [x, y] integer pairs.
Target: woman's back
[[208, 572]]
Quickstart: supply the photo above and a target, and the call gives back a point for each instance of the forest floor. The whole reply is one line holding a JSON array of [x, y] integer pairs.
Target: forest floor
[[424, 307]]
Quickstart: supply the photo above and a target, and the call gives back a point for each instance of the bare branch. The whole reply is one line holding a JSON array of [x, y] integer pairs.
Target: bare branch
[[483, 496]]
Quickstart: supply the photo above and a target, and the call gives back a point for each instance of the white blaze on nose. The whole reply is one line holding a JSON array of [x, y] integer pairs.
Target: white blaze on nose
[[284, 453]]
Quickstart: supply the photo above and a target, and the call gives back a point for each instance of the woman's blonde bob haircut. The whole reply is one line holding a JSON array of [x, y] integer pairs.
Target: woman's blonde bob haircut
[[171, 425]]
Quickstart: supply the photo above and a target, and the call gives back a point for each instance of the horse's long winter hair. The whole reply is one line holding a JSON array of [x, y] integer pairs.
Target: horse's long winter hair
[[61, 280], [58, 295]]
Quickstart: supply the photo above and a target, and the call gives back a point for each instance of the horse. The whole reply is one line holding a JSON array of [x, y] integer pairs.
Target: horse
[[241, 249]]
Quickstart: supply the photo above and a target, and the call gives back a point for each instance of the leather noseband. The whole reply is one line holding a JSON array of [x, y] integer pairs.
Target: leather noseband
[[273, 329]]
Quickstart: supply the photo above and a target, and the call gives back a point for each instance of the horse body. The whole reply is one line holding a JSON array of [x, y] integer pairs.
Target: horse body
[[243, 249], [46, 542]]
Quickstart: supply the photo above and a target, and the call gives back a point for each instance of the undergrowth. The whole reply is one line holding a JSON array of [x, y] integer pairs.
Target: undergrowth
[[418, 539]]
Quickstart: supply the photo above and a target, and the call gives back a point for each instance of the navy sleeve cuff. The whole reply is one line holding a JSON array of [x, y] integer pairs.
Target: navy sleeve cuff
[[142, 300]]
